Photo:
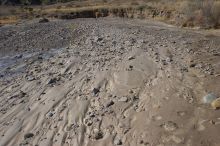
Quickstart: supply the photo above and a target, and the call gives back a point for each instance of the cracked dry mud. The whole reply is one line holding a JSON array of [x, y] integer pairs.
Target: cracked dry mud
[[88, 82]]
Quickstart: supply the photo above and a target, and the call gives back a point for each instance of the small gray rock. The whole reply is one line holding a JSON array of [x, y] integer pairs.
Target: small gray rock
[[168, 59], [97, 39], [52, 81], [18, 56], [131, 58], [50, 114], [181, 113], [95, 91], [109, 103], [169, 126], [30, 78], [43, 20], [28, 135], [98, 135]]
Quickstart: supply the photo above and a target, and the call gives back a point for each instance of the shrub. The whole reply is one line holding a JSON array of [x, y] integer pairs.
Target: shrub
[[58, 7], [134, 3], [204, 13], [141, 8]]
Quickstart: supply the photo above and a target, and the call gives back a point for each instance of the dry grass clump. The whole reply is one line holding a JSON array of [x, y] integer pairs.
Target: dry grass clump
[[8, 20], [188, 13], [203, 13]]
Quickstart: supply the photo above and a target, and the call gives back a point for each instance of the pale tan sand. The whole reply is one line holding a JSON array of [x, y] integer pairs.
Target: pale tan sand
[[120, 82]]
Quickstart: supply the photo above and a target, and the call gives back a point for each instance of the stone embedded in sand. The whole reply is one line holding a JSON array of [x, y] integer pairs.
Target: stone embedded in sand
[[28, 135], [144, 143], [131, 91], [131, 58], [43, 20], [123, 99], [92, 114], [50, 114], [181, 113], [18, 56], [53, 80], [169, 126], [176, 139], [192, 65], [30, 78], [97, 39], [156, 118], [97, 134], [109, 103], [21, 94], [209, 98], [89, 123], [95, 91], [216, 103], [130, 66], [168, 59], [117, 141], [60, 63], [40, 57]]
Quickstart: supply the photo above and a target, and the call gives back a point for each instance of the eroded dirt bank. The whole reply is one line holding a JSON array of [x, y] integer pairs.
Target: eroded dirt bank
[[104, 82]]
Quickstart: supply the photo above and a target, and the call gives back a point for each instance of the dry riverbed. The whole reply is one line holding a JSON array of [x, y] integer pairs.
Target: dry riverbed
[[108, 81]]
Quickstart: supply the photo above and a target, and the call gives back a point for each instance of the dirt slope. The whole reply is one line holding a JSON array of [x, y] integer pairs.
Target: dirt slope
[[105, 82]]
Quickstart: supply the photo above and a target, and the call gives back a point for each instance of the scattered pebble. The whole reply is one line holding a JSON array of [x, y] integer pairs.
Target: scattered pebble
[[177, 140], [53, 80], [168, 59], [192, 65], [97, 39], [212, 122], [89, 122], [30, 78], [28, 135], [21, 94], [98, 134], [130, 66], [43, 20], [50, 114], [109, 103], [40, 57], [157, 118], [170, 126], [141, 142], [18, 56], [131, 58], [173, 138], [131, 91], [123, 99], [95, 91], [181, 113], [200, 126], [117, 141]]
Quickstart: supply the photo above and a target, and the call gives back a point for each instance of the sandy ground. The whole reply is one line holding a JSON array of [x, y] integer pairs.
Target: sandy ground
[[106, 82]]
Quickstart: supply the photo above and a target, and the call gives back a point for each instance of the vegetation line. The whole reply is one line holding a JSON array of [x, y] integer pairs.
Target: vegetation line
[[185, 13]]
